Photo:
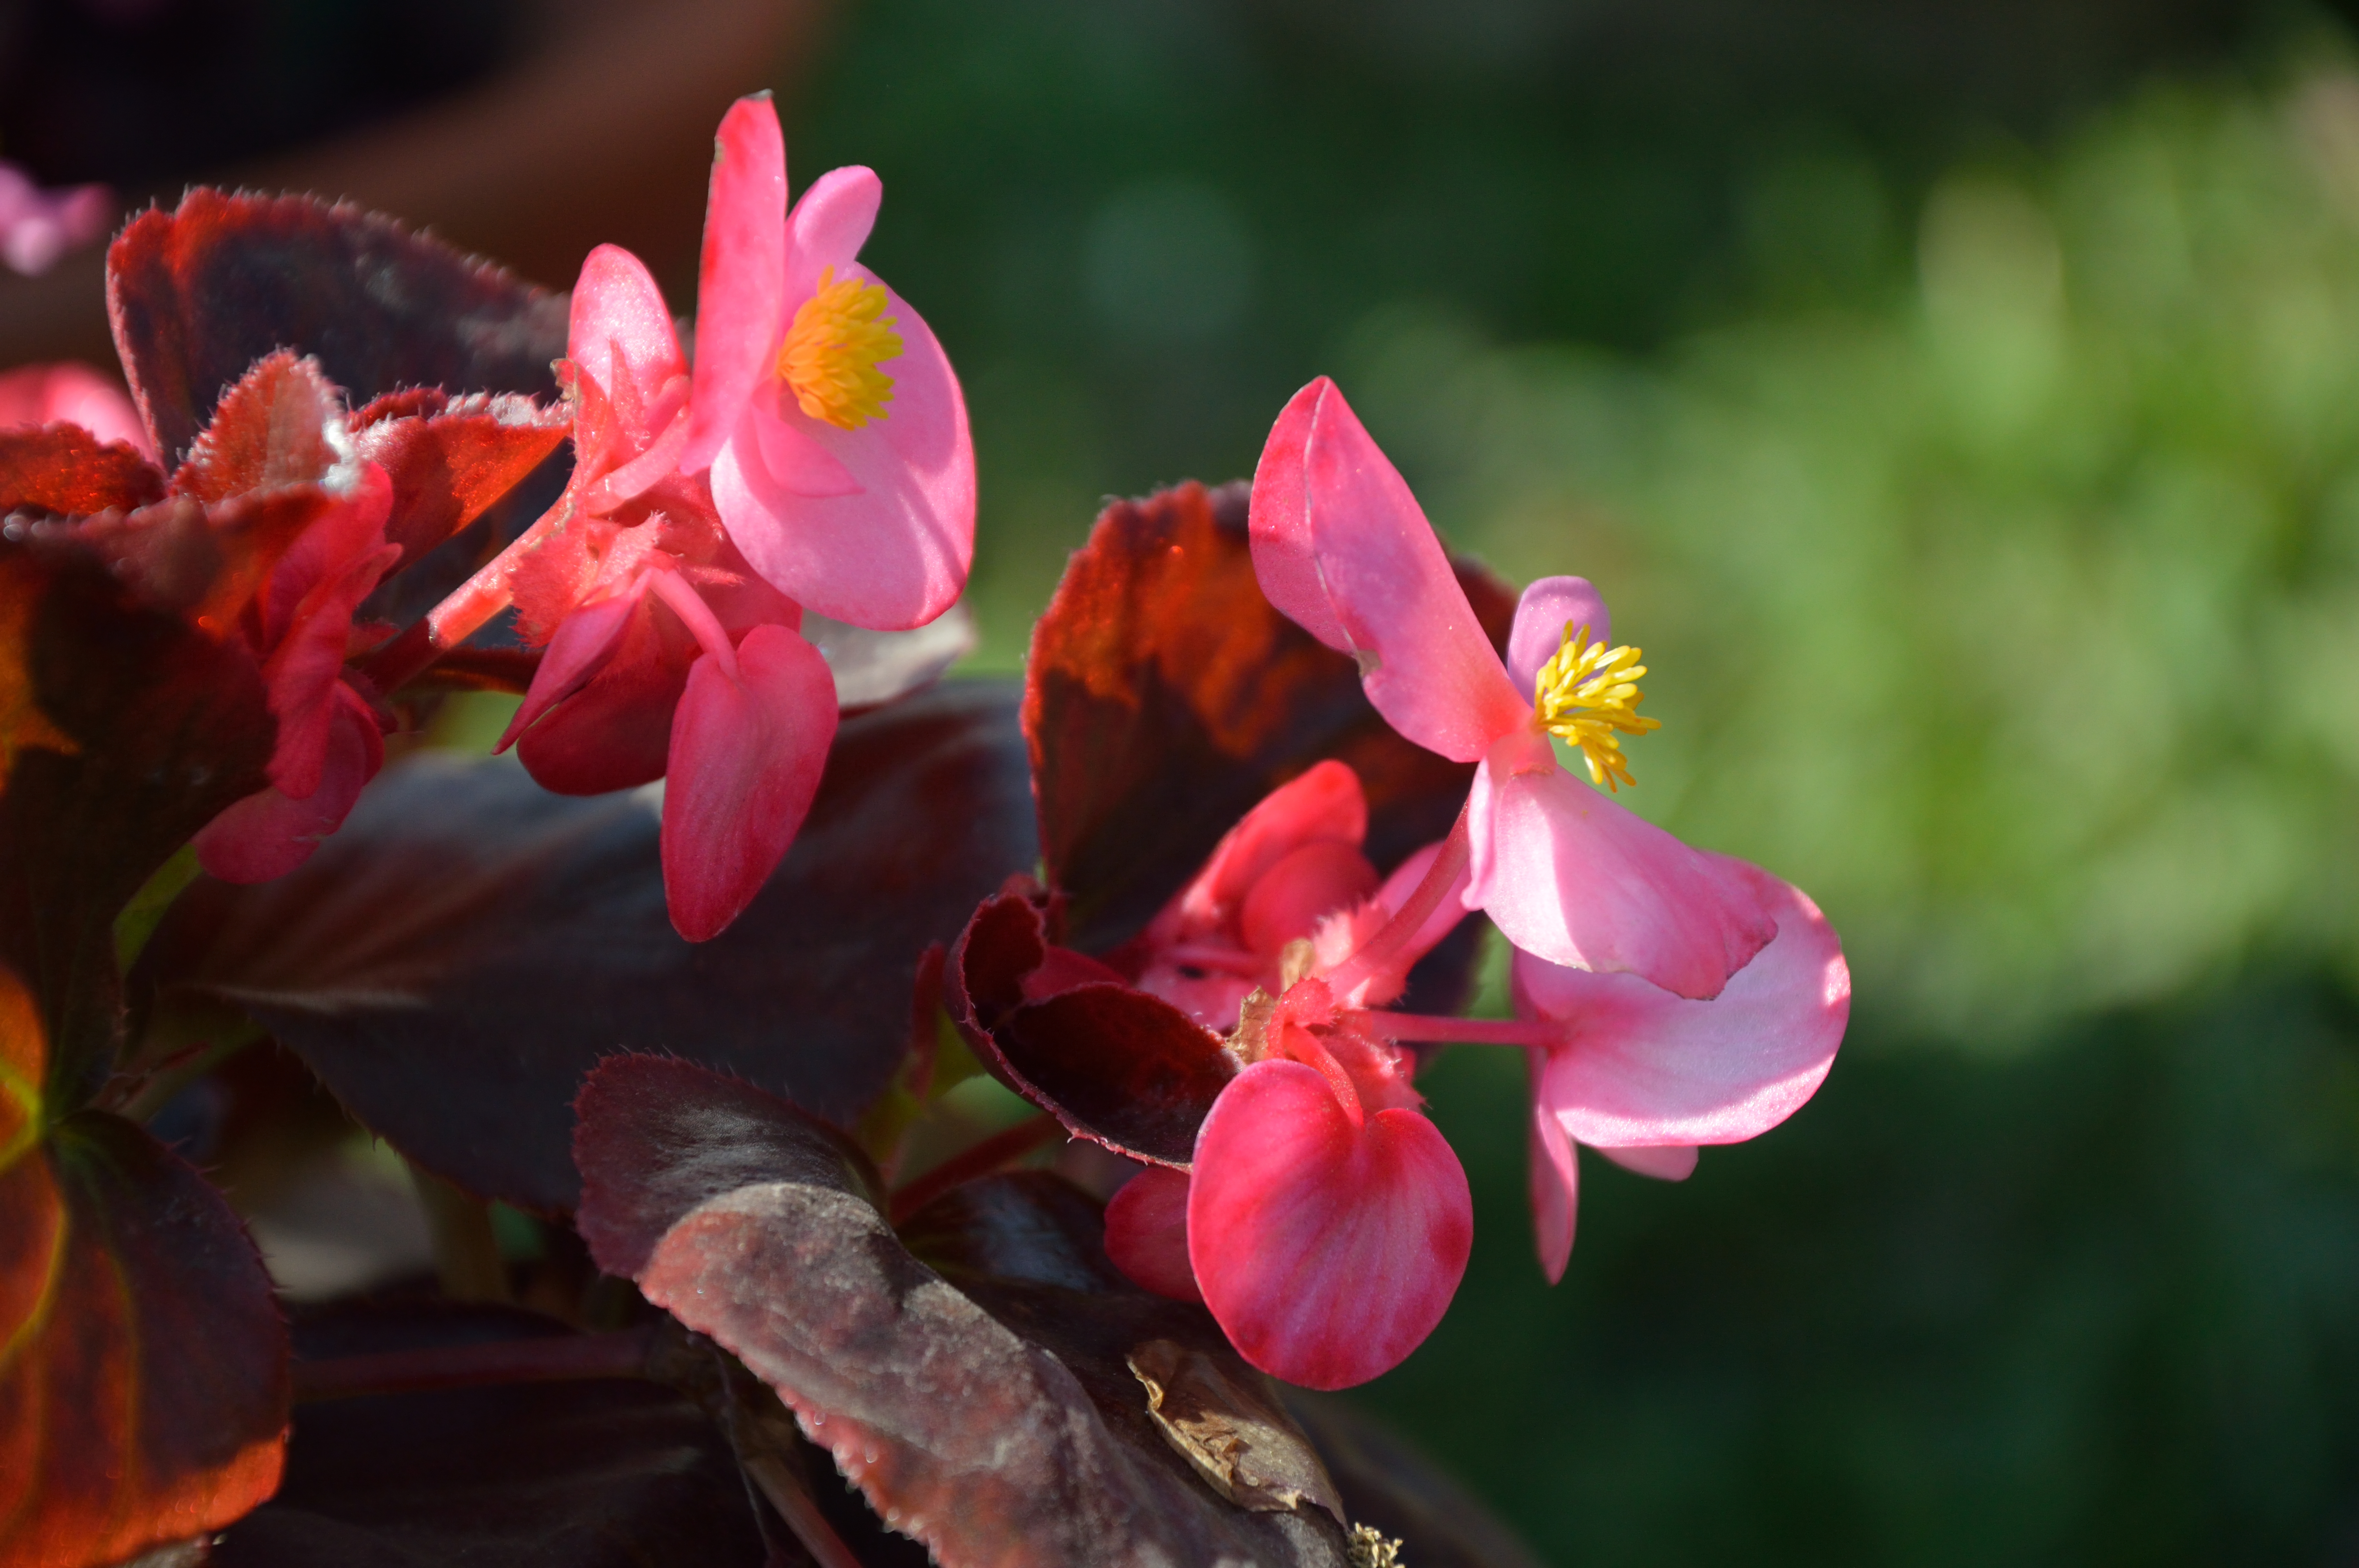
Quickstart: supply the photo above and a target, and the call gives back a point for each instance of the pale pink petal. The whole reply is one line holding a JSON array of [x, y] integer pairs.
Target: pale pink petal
[[826, 228], [1641, 1066], [1146, 1233], [1540, 618], [745, 760], [268, 834], [1352, 534], [794, 463], [1664, 1161], [620, 330], [74, 394], [583, 641], [742, 279], [1554, 1177], [895, 553], [1572, 877], [1326, 1250]]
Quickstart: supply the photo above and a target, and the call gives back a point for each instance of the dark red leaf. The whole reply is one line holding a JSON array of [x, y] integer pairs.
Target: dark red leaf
[[65, 470], [602, 1474], [144, 1388], [1115, 1064], [122, 730], [468, 945], [275, 426], [199, 293], [992, 1416], [1166, 697], [451, 458]]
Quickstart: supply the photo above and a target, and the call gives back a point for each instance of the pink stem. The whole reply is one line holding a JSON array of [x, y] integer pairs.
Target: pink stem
[[994, 1152], [1410, 918], [689, 605], [1397, 1026], [558, 1358], [461, 613]]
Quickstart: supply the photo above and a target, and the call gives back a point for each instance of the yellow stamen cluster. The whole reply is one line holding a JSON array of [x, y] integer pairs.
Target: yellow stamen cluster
[[1585, 693], [831, 351]]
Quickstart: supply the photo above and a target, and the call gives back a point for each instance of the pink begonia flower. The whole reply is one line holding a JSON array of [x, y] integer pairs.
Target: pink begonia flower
[[1325, 1220], [832, 424], [1643, 1076], [72, 394], [1340, 547], [299, 628], [666, 655], [38, 227]]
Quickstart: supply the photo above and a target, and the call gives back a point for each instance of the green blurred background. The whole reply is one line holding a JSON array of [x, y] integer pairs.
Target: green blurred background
[[1959, 402]]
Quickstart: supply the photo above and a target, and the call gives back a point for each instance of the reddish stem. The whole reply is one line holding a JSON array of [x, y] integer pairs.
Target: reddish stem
[[801, 1515], [558, 1358], [1399, 1026], [461, 613], [1410, 918], [1000, 1150]]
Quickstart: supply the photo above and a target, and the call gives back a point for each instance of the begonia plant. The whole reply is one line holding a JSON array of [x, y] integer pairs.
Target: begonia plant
[[797, 1282]]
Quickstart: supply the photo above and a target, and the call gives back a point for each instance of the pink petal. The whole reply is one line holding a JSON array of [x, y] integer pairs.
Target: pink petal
[[74, 394], [743, 274], [583, 641], [796, 462], [1327, 1251], [745, 760], [827, 229], [1341, 545], [1641, 1066], [268, 834], [1664, 1161], [1540, 618], [1146, 1233], [1555, 1184], [893, 555], [615, 731], [1571, 876], [1292, 896], [345, 548], [620, 327], [1325, 804]]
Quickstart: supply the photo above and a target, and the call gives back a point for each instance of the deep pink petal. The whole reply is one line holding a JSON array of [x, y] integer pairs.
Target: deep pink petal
[[1146, 1233], [1555, 1184], [1325, 804], [268, 834], [1664, 1161], [1341, 545], [827, 229], [895, 553], [745, 760], [615, 731], [1292, 896], [1328, 1251], [1642, 1067], [582, 643], [620, 329], [1541, 617], [1571, 876], [741, 281], [346, 548]]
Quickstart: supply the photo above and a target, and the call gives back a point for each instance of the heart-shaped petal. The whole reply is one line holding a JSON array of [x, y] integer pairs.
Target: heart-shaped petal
[[1327, 1248], [1146, 1233]]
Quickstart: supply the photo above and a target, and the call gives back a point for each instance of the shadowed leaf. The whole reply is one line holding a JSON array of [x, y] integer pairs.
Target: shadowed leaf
[[1388, 1484], [122, 730], [451, 458], [199, 293], [1165, 698], [991, 1415], [608, 1473], [468, 945], [143, 1389], [1115, 1064], [65, 470]]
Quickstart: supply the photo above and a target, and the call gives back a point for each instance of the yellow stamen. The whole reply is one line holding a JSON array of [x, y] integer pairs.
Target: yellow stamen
[[1586, 693], [831, 352]]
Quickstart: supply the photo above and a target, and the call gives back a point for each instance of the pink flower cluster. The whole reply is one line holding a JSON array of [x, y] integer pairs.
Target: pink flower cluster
[[1666, 997]]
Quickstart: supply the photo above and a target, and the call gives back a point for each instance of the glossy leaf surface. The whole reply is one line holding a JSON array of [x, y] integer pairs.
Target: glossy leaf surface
[[122, 730], [469, 946], [606, 1473], [1167, 697], [199, 293], [990, 1413], [143, 1385]]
